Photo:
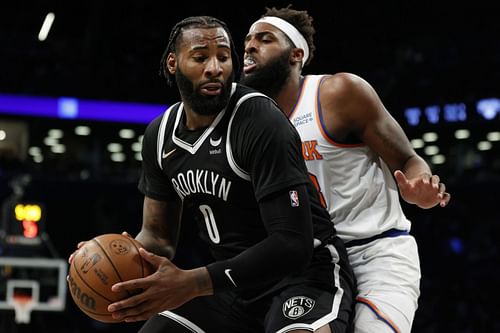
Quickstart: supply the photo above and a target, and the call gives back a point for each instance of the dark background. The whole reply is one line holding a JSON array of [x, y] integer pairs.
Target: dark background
[[413, 53]]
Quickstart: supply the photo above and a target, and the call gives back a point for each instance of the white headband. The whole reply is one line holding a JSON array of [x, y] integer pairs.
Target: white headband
[[295, 36]]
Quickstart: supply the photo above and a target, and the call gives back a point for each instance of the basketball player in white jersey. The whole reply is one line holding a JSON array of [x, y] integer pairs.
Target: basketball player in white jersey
[[358, 157]]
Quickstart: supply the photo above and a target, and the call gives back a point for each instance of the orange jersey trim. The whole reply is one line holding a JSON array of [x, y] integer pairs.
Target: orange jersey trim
[[379, 313]]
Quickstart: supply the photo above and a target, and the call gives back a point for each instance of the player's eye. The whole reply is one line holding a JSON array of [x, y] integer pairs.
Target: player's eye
[[199, 58], [223, 58]]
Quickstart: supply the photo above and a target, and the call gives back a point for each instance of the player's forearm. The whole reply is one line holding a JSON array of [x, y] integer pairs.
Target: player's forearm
[[202, 282], [415, 166], [287, 249], [160, 246], [160, 226], [269, 261]]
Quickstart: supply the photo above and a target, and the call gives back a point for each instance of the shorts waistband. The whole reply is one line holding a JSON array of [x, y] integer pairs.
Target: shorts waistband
[[388, 233]]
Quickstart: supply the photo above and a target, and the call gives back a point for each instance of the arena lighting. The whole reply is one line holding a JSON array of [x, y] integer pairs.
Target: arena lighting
[[118, 157], [136, 146], [82, 130], [73, 108], [126, 133], [45, 29], [488, 108], [431, 150], [114, 147], [462, 134], [493, 136], [432, 113], [413, 116], [55, 133], [417, 143], [34, 151], [58, 149], [80, 109], [438, 159], [430, 137], [48, 141], [484, 145], [455, 112]]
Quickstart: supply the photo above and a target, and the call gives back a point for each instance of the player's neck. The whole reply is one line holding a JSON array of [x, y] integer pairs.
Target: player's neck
[[287, 96], [195, 120]]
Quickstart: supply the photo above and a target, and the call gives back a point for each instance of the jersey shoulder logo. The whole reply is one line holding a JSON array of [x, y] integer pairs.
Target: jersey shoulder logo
[[294, 198]]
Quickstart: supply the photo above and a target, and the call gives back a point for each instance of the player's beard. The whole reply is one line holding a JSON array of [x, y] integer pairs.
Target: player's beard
[[202, 104], [270, 78]]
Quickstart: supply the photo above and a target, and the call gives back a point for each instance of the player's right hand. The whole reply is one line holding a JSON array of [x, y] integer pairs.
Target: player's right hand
[[166, 289]]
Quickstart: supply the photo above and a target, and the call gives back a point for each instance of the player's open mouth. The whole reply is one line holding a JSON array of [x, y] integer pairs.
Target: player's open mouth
[[249, 65], [211, 88]]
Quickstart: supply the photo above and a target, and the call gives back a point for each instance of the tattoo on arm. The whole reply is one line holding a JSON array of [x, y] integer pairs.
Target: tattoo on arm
[[203, 281]]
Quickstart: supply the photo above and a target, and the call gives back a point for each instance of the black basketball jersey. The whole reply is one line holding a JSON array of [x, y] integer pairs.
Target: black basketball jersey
[[251, 150]]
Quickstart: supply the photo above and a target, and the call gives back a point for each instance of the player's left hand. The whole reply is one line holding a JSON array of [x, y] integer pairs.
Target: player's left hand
[[425, 191], [168, 288]]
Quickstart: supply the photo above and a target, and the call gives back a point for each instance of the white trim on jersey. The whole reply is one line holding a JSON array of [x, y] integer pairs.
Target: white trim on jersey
[[193, 148], [182, 321], [316, 242], [232, 163], [337, 299], [161, 135]]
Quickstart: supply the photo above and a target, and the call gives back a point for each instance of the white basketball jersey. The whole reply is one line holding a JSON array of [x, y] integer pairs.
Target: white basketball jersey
[[357, 187]]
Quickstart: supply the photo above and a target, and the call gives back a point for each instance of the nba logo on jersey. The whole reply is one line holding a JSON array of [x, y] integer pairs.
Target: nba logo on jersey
[[294, 198]]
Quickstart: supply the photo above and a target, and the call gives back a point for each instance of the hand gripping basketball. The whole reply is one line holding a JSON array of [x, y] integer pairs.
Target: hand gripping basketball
[[100, 263]]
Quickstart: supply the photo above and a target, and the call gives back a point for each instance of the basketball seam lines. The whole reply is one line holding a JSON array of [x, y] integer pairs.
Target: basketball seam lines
[[89, 286], [111, 262]]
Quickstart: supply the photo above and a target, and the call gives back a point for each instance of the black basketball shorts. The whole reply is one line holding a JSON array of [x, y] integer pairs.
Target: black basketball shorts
[[321, 295]]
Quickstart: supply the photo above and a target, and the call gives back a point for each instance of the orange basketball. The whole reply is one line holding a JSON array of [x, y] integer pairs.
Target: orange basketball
[[97, 266]]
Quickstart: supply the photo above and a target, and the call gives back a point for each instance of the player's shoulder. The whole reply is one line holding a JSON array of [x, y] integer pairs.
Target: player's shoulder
[[243, 92], [252, 102], [257, 112], [343, 81], [344, 85]]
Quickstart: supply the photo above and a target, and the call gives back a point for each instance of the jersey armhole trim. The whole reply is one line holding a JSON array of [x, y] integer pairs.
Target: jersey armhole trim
[[230, 157], [161, 135], [321, 124]]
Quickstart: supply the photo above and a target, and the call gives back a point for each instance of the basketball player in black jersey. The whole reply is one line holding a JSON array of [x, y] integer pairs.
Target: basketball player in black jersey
[[227, 158]]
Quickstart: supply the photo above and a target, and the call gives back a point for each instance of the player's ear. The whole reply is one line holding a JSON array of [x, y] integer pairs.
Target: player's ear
[[171, 63], [296, 56]]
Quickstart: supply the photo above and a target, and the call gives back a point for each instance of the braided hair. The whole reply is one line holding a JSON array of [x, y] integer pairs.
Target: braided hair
[[193, 22], [301, 20]]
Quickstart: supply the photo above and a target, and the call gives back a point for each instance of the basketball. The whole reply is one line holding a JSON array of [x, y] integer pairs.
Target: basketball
[[97, 266]]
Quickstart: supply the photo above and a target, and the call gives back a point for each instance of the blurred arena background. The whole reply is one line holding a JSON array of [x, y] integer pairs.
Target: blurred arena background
[[74, 104]]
